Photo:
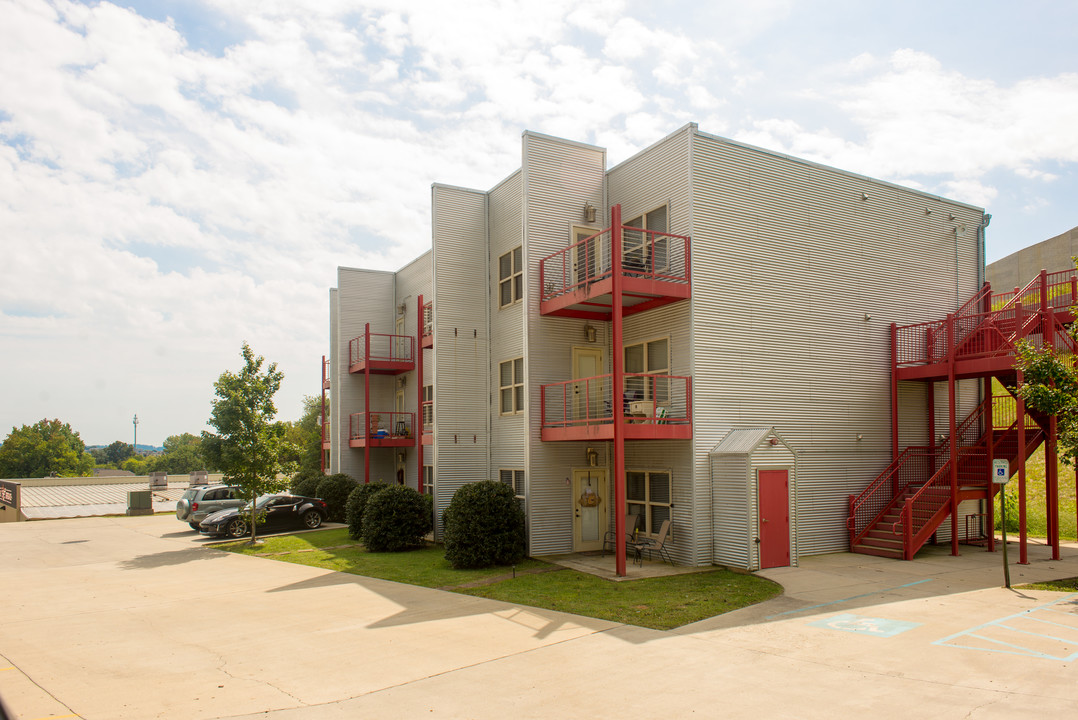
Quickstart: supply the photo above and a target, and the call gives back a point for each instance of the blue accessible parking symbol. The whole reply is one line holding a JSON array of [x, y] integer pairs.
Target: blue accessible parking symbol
[[877, 627]]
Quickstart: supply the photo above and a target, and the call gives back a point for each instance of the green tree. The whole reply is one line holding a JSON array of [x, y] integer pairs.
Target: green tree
[[305, 435], [1050, 386], [117, 452], [45, 448], [248, 447], [183, 454]]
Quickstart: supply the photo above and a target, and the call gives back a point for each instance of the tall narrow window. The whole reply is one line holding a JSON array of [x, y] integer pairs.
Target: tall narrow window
[[647, 494], [428, 407], [646, 252], [515, 480], [511, 277], [648, 358], [511, 386]]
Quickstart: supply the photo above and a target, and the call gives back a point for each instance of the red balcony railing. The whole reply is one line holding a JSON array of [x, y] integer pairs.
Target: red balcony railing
[[657, 400], [326, 435], [381, 429], [426, 332], [394, 352], [645, 254]]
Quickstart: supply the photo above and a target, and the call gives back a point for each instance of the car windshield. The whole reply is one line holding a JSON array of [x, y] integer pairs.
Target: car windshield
[[264, 500]]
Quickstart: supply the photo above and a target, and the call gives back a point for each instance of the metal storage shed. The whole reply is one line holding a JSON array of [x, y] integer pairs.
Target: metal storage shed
[[753, 481]]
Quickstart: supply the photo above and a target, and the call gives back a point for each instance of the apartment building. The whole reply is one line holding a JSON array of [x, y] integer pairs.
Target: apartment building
[[699, 335]]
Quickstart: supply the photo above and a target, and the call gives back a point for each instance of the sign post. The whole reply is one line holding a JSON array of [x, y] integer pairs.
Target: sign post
[[1001, 473]]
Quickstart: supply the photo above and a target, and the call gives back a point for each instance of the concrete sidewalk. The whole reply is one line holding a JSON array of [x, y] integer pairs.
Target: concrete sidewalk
[[129, 618]]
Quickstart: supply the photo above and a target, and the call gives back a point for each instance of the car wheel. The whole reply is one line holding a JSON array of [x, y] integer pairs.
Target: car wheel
[[194, 526], [312, 519], [237, 528]]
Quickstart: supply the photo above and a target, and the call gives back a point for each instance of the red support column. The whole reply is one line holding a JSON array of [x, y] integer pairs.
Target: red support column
[[930, 403], [617, 390], [417, 431], [1023, 558], [952, 431], [367, 403], [894, 403], [990, 530], [1051, 490]]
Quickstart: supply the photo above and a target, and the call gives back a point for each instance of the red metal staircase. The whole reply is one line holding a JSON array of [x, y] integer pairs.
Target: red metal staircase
[[905, 505]]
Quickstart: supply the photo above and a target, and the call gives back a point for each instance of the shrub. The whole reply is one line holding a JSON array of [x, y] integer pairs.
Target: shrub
[[357, 505], [305, 483], [484, 526], [334, 490], [397, 517]]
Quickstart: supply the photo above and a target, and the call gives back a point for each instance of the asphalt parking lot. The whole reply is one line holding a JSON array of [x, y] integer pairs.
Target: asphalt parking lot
[[131, 617]]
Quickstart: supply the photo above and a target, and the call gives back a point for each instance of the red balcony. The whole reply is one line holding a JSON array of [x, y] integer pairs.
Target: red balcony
[[325, 373], [326, 435], [655, 407], [577, 281], [426, 331], [381, 429], [382, 354]]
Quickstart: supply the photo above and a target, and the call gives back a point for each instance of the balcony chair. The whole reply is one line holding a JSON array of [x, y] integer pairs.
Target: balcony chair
[[611, 537], [655, 544]]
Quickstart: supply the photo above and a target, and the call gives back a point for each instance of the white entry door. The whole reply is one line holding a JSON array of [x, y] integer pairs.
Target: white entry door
[[590, 520]]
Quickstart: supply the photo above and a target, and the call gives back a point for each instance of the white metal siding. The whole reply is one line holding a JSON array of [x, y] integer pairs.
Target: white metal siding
[[787, 261], [413, 280], [461, 344], [558, 178]]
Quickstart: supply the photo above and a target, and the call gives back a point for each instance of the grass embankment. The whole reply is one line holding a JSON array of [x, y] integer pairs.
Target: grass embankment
[[660, 603], [1036, 511]]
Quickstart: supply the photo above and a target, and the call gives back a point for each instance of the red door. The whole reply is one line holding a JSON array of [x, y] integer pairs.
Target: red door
[[773, 494]]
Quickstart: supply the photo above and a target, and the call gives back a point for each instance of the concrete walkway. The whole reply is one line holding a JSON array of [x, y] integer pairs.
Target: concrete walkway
[[128, 617]]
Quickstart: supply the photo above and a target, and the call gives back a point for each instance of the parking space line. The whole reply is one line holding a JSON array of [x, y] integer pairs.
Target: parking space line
[[1016, 642]]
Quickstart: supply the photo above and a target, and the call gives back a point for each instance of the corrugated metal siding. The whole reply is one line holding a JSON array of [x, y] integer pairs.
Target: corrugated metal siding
[[558, 178], [661, 175], [508, 432], [461, 342], [334, 382], [788, 258], [414, 279], [363, 296]]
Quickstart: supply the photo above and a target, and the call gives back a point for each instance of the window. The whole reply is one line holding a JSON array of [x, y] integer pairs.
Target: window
[[428, 480], [515, 480], [511, 277], [649, 358], [428, 407], [511, 374], [643, 251], [589, 259], [648, 495]]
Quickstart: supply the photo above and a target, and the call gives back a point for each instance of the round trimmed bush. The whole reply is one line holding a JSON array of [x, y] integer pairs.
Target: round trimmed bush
[[396, 518], [305, 483], [334, 489], [357, 505], [484, 526]]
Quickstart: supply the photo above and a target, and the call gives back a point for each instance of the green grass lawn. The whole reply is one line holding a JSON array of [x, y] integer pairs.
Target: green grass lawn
[[659, 603], [1067, 585], [1036, 510]]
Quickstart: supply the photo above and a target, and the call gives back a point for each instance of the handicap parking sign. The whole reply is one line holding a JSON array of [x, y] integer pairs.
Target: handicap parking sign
[[1001, 471]]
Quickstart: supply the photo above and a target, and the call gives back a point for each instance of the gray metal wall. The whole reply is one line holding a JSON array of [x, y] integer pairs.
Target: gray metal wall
[[798, 270], [461, 341], [334, 382], [558, 178], [411, 281], [363, 296]]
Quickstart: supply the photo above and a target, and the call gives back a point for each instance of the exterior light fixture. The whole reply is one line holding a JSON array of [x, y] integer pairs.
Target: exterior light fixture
[[864, 196], [589, 332], [401, 457], [868, 316], [860, 436], [593, 457], [589, 212]]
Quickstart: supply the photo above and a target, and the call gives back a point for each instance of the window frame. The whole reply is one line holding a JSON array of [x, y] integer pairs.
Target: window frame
[[514, 280], [641, 222], [648, 503], [517, 481], [515, 387], [643, 344]]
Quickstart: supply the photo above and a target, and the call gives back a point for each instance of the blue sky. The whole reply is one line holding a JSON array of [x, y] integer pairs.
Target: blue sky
[[177, 177]]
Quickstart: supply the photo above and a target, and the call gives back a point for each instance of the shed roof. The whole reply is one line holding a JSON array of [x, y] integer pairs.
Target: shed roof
[[741, 440]]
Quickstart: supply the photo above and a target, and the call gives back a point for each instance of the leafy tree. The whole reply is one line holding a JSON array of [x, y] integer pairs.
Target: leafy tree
[[45, 448], [183, 454], [1050, 386], [305, 436], [117, 452], [248, 446]]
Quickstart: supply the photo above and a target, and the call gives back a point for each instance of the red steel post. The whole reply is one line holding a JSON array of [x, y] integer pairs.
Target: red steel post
[[367, 403], [616, 386], [952, 431]]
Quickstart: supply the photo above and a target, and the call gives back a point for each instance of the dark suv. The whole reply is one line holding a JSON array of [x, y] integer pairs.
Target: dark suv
[[198, 502]]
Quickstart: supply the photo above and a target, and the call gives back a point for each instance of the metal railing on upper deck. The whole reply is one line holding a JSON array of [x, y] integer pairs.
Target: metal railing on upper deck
[[381, 347], [654, 399]]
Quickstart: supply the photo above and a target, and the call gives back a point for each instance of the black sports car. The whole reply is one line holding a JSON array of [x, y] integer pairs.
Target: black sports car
[[273, 512]]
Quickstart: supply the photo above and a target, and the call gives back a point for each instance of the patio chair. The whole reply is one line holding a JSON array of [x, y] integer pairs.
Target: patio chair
[[655, 544], [611, 537]]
